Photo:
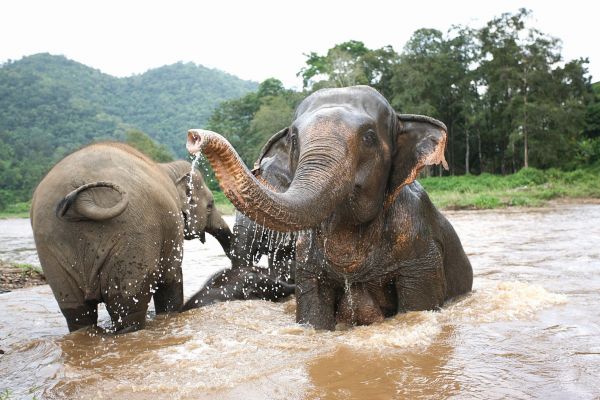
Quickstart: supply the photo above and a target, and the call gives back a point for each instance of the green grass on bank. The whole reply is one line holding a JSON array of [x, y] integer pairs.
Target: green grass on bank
[[28, 268], [21, 210], [223, 204], [17, 210], [529, 187]]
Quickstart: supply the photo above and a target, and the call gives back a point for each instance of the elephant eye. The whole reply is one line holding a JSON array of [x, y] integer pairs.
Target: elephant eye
[[369, 138]]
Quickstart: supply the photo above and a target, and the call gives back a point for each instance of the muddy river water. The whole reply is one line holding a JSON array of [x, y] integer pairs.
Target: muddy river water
[[530, 329]]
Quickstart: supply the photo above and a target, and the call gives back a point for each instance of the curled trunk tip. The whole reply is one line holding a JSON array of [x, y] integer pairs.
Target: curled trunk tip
[[304, 205], [195, 142], [197, 139]]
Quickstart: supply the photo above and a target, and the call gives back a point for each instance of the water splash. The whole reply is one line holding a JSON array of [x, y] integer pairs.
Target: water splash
[[348, 293]]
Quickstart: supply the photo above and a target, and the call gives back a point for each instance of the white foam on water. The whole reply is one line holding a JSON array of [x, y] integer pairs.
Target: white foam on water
[[413, 329], [502, 301]]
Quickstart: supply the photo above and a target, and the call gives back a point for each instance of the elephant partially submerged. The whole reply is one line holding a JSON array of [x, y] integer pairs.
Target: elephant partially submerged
[[109, 225], [245, 279], [373, 243]]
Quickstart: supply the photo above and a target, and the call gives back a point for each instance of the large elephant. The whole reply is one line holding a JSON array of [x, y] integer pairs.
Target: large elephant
[[373, 244], [245, 279], [109, 225]]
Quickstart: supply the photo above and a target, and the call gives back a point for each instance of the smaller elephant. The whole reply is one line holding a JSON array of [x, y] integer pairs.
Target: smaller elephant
[[109, 225], [246, 280], [248, 283]]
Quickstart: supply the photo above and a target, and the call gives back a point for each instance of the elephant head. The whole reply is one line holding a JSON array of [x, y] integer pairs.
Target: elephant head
[[197, 205], [349, 156]]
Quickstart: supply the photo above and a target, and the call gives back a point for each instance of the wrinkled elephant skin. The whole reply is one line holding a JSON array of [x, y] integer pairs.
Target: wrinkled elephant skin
[[109, 225], [372, 243]]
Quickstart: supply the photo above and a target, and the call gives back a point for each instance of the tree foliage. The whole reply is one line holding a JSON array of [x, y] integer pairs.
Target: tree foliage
[[143, 142], [508, 97], [248, 122], [51, 106], [349, 63]]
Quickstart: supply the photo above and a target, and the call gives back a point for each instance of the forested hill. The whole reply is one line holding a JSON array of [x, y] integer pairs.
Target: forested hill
[[50, 105]]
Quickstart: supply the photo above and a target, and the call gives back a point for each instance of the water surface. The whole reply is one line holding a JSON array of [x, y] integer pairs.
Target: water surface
[[529, 330]]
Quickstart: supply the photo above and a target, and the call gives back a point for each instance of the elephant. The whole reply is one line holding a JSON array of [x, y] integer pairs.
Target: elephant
[[246, 280], [109, 225], [371, 242]]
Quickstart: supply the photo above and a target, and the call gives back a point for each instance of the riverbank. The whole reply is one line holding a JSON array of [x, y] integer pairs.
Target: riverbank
[[529, 187], [17, 276], [17, 210]]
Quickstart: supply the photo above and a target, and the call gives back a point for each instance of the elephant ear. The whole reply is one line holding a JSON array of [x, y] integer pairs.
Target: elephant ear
[[420, 141], [275, 162], [182, 183]]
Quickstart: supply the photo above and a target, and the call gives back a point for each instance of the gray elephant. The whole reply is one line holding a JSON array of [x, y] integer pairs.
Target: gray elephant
[[373, 244], [245, 279], [109, 225]]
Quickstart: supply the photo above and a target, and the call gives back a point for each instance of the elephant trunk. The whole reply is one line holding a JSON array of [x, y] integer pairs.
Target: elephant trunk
[[321, 180], [219, 229]]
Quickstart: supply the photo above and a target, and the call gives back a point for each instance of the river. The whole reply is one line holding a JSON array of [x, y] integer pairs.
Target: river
[[530, 329]]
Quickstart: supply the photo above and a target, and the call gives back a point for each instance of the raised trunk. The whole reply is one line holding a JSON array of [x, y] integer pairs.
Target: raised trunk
[[318, 185]]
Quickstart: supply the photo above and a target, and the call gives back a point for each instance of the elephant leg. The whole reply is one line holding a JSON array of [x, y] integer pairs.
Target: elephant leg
[[127, 317], [315, 300], [241, 247], [169, 295], [457, 268], [127, 302], [247, 242], [422, 286], [236, 284], [80, 316], [64, 282]]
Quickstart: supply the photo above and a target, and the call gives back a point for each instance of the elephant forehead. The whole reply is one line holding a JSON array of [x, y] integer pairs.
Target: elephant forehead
[[338, 117], [356, 99]]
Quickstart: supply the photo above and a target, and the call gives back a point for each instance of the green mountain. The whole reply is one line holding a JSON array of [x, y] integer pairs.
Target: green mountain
[[50, 106]]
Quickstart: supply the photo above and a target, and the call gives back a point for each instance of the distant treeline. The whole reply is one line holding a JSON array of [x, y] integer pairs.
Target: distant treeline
[[504, 91], [50, 106], [507, 96]]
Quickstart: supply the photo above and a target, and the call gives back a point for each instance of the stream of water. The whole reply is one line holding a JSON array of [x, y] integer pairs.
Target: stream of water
[[530, 329]]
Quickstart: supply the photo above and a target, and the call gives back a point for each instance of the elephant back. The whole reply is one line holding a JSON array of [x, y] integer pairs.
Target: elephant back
[[101, 182]]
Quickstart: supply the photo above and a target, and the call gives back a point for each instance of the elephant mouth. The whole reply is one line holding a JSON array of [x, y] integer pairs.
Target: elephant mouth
[[189, 234]]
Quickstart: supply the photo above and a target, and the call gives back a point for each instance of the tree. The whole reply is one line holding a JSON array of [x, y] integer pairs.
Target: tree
[[143, 142], [274, 114], [592, 114], [349, 63], [248, 122], [530, 101], [435, 77]]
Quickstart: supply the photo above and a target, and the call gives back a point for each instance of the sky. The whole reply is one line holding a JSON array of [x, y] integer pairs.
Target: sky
[[257, 39]]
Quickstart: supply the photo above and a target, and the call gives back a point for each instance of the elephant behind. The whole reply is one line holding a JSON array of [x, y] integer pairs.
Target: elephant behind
[[245, 279], [109, 225]]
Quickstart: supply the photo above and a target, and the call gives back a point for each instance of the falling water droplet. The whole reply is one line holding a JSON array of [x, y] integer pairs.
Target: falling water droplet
[[350, 300]]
